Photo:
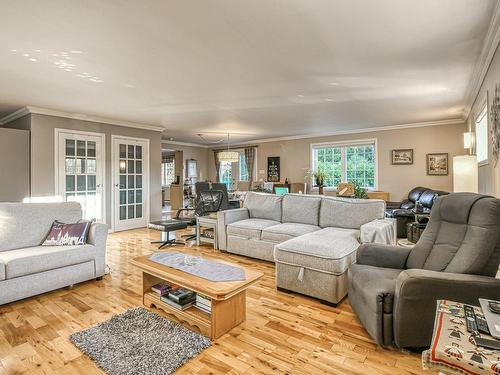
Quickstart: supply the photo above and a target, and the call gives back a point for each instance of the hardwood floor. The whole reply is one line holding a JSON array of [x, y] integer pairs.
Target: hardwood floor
[[283, 334]]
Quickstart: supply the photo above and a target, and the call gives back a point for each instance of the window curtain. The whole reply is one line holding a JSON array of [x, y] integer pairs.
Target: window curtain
[[250, 162], [217, 166]]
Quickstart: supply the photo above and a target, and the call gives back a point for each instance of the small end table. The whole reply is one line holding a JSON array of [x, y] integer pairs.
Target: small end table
[[206, 222], [452, 350]]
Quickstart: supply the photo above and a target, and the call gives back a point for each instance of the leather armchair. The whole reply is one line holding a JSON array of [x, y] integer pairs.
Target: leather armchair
[[404, 212], [394, 290]]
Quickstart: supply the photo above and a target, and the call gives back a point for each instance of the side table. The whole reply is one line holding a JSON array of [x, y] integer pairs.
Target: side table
[[206, 222], [452, 349]]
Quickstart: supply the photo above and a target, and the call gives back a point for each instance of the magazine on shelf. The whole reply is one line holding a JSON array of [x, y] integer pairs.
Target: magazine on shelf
[[183, 306]]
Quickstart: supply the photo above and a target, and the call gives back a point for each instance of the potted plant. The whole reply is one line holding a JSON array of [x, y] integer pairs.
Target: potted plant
[[359, 191], [319, 179]]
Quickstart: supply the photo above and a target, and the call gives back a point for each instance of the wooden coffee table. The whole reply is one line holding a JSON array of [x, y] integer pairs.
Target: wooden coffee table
[[228, 297]]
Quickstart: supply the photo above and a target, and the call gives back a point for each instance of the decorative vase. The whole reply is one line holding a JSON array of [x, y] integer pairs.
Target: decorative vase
[[320, 189]]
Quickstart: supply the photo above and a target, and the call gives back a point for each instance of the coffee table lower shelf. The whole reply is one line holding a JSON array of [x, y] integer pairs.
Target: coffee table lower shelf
[[225, 315]]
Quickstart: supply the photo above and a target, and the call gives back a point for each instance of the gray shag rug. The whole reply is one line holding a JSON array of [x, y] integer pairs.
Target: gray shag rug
[[139, 342]]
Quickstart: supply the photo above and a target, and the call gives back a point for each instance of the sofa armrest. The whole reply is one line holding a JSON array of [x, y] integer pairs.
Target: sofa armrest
[[385, 256], [417, 292], [381, 231], [226, 217], [98, 234]]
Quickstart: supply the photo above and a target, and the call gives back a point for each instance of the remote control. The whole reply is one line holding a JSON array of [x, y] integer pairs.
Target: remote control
[[482, 325], [470, 320], [486, 343]]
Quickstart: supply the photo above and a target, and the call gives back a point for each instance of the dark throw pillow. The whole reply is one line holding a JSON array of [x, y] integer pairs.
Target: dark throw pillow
[[61, 234]]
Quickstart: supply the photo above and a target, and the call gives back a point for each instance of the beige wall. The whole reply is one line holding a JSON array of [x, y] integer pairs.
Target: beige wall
[[489, 176], [42, 156], [14, 164], [191, 152], [396, 179]]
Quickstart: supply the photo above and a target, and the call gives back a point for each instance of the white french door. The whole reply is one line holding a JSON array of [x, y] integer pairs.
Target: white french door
[[80, 171], [130, 168]]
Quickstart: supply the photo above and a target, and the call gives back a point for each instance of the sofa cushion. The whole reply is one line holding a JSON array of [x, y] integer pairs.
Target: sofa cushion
[[27, 224], [249, 228], [330, 250], [286, 231], [300, 208], [349, 213], [27, 261], [263, 206]]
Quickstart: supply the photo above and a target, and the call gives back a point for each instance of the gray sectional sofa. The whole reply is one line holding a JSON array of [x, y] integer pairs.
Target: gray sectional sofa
[[312, 239], [28, 269]]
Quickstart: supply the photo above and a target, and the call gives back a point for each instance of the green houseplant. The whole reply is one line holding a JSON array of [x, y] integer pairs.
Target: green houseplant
[[319, 178], [359, 191]]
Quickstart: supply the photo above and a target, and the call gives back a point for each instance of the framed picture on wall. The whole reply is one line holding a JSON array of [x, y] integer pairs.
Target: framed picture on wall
[[437, 164], [273, 169], [402, 156]]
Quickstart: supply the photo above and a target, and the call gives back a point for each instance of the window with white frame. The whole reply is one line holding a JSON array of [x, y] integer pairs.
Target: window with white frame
[[167, 172], [237, 171], [346, 162], [481, 130]]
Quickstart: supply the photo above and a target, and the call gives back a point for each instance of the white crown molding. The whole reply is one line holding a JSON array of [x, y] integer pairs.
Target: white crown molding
[[457, 121], [14, 116], [77, 116], [483, 63]]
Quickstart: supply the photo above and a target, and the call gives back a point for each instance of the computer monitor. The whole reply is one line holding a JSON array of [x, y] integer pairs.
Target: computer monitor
[[281, 190]]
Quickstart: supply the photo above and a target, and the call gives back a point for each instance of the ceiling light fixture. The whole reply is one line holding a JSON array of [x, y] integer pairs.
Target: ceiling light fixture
[[334, 83], [32, 59], [228, 156]]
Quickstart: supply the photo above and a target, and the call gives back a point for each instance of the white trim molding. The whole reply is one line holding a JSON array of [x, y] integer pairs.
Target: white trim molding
[[483, 62], [77, 116], [456, 121]]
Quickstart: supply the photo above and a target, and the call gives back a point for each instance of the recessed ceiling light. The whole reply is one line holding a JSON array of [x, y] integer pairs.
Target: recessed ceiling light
[[13, 50], [300, 96], [37, 50], [26, 55], [328, 100], [76, 51], [334, 83], [129, 85], [32, 59]]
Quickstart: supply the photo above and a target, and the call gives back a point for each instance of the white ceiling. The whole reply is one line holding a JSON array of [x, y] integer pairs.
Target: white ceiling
[[262, 68]]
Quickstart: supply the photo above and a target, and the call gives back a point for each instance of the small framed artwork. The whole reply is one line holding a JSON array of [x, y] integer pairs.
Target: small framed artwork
[[273, 169], [402, 157], [437, 164]]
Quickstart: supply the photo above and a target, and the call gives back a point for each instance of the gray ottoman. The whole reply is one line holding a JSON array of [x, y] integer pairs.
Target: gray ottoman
[[315, 264]]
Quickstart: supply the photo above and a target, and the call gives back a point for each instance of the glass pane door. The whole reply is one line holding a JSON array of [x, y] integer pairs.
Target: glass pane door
[[131, 186], [131, 175], [81, 174]]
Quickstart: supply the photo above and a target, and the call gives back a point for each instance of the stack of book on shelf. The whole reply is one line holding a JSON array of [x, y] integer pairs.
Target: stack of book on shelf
[[203, 303], [180, 298]]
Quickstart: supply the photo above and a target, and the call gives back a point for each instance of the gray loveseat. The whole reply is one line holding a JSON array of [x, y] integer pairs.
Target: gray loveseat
[[312, 239], [28, 269], [394, 290]]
